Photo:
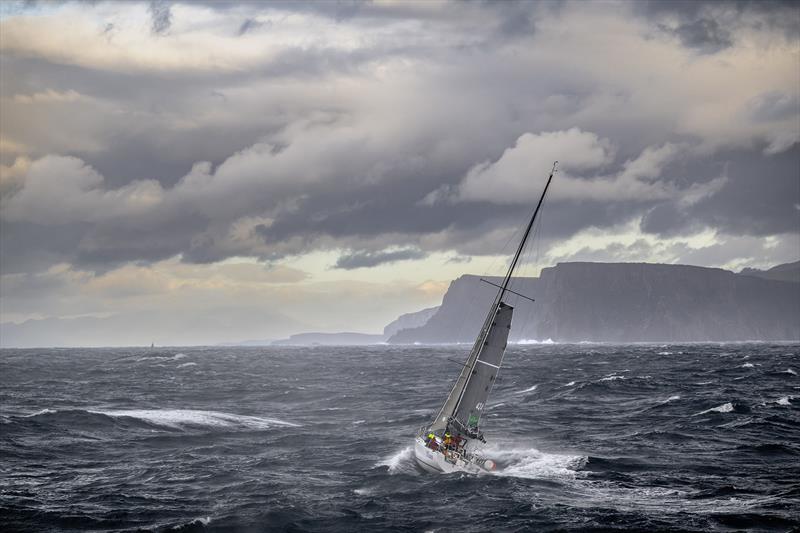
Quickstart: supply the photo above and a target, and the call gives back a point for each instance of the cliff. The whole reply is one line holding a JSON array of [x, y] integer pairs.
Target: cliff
[[409, 320], [786, 272], [623, 302]]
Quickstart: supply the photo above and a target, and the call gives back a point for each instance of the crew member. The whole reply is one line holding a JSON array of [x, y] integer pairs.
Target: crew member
[[432, 441]]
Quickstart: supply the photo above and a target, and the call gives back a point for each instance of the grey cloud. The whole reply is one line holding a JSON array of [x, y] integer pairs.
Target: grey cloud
[[250, 24], [705, 35], [709, 26], [664, 219], [461, 102], [774, 105], [161, 14], [370, 259], [759, 197]]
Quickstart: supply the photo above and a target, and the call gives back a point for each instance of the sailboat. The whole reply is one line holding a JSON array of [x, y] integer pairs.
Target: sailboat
[[452, 442]]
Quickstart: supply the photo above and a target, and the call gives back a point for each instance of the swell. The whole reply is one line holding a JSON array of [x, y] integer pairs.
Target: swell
[[163, 419]]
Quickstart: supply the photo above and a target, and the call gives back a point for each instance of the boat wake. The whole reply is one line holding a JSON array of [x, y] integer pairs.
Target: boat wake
[[530, 463], [527, 463]]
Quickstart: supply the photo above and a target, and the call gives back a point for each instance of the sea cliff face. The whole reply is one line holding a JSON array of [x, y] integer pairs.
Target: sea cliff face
[[409, 320], [624, 302]]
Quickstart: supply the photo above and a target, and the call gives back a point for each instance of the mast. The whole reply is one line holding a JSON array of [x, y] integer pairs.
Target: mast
[[449, 407], [517, 255]]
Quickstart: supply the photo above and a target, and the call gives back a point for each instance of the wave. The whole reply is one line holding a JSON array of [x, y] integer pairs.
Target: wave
[[770, 449], [155, 358], [534, 341], [180, 418], [724, 408], [170, 418], [665, 401], [530, 463], [400, 461]]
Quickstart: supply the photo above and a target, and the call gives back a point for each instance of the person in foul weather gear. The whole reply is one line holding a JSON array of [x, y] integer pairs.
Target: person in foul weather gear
[[431, 441]]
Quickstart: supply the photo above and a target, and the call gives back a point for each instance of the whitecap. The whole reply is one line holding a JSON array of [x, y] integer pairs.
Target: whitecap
[[183, 365], [40, 412], [178, 356], [570, 384], [534, 341], [789, 371], [784, 401], [200, 521], [664, 353], [611, 378], [180, 418], [724, 408], [672, 398], [364, 491], [397, 460], [531, 463], [529, 389], [747, 365]]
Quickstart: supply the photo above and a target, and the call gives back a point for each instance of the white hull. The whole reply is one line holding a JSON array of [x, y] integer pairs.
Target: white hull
[[436, 462]]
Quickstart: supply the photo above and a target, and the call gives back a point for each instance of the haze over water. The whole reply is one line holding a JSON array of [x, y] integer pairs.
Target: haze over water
[[588, 437]]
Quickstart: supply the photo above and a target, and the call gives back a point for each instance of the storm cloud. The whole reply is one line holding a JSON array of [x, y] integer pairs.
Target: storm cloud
[[382, 134]]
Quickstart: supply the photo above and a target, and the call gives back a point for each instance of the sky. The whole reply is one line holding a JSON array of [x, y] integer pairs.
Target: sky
[[201, 172]]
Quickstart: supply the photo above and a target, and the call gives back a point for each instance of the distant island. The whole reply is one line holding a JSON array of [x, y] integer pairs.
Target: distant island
[[406, 321]]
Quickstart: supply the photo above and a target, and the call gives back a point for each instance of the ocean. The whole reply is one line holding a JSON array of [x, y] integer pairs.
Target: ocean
[[695, 437]]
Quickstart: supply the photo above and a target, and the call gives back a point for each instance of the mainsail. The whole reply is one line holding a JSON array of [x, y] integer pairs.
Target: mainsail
[[464, 406], [461, 412]]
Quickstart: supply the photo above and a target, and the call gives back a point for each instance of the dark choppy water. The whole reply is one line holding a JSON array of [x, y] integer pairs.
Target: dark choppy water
[[650, 438]]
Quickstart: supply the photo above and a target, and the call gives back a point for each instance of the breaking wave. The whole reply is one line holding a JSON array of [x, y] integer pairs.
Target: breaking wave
[[530, 463], [534, 341], [611, 378], [724, 408], [170, 418], [402, 461]]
